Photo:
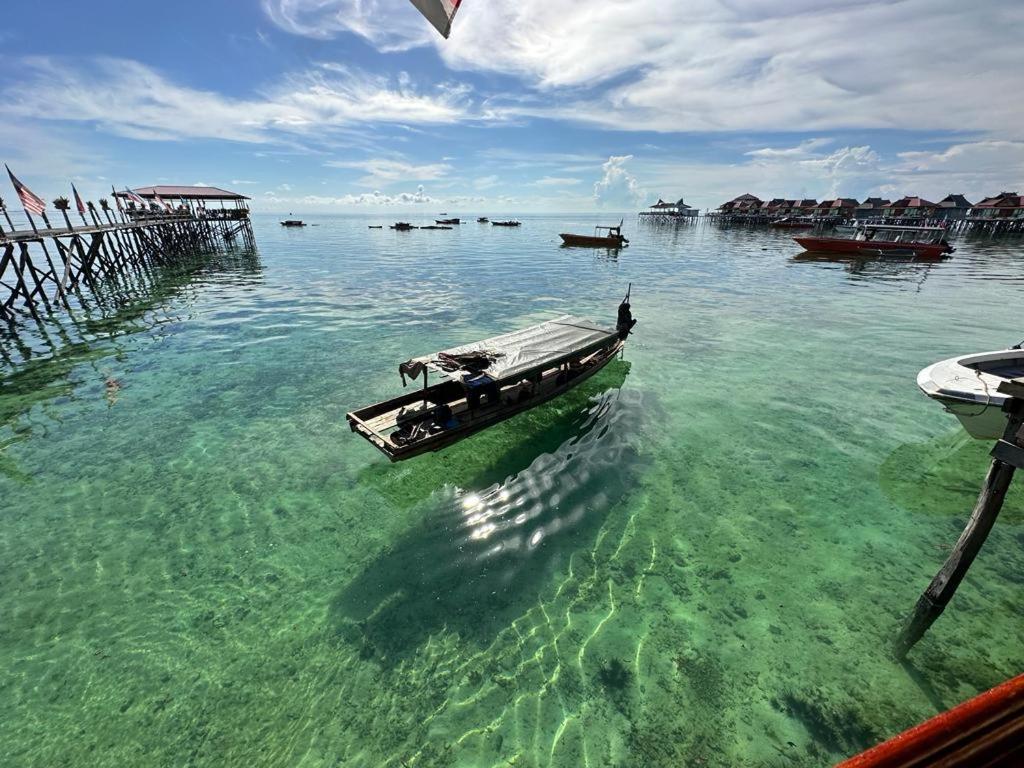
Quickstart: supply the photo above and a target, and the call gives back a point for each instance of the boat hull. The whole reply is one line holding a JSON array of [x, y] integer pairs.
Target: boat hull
[[488, 418], [591, 241], [874, 248], [968, 388]]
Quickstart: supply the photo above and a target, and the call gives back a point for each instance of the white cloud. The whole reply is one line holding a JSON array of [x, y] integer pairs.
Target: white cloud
[[138, 102], [486, 182], [388, 24], [375, 198], [556, 181], [712, 65], [618, 187], [381, 171]]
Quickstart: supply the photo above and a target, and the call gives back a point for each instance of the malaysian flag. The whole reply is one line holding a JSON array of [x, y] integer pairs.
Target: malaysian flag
[[78, 200], [29, 199], [135, 198], [161, 201]]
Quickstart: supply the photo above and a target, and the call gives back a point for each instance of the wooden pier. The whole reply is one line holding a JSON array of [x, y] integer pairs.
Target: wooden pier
[[41, 268]]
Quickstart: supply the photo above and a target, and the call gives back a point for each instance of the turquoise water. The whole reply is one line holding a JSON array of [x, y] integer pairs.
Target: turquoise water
[[700, 557]]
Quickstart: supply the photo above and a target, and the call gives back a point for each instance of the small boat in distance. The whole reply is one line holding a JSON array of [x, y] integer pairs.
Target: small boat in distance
[[376, 226], [403, 226], [510, 223], [613, 239], [968, 387], [884, 240], [293, 223], [794, 222], [487, 382], [435, 226], [448, 221], [482, 220]]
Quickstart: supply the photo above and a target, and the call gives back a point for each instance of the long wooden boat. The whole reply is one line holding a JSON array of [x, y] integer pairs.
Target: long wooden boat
[[512, 223], [614, 239], [882, 240], [487, 382], [403, 226], [293, 223], [447, 221]]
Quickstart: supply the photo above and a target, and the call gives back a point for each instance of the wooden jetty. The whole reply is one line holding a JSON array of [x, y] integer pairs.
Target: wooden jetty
[[41, 267]]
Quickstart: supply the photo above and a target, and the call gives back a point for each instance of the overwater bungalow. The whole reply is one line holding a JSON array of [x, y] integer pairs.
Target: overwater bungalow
[[952, 208], [676, 210], [871, 208], [910, 208], [204, 202], [1005, 205]]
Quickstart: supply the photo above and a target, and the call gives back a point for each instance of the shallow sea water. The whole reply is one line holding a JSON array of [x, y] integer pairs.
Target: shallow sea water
[[699, 557]]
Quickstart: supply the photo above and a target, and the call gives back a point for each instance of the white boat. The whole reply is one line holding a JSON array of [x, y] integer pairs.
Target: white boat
[[969, 388]]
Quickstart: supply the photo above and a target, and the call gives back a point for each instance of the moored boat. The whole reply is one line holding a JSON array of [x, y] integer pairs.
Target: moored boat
[[293, 223], [968, 386], [482, 220], [884, 240], [448, 221], [509, 223], [436, 226], [614, 238], [487, 382], [794, 222], [402, 226]]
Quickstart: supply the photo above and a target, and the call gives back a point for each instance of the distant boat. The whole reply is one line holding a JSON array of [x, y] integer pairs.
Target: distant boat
[[293, 223], [794, 222], [482, 220], [435, 226], [376, 226], [968, 387], [613, 239], [879, 240], [403, 226], [511, 223], [447, 221]]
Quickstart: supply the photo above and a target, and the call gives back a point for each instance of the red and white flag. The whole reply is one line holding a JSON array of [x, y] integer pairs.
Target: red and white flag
[[162, 202], [78, 200], [439, 13], [29, 199], [135, 198]]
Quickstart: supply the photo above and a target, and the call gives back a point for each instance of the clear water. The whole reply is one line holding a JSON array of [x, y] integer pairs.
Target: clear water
[[700, 557]]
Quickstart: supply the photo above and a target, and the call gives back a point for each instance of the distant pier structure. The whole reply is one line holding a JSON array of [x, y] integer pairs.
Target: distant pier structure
[[45, 265], [670, 213]]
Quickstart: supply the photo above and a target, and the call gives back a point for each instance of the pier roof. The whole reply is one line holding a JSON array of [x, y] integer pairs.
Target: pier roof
[[186, 193]]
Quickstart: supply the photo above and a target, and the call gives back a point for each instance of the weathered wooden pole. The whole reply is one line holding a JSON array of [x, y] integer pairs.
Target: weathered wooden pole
[[1007, 456]]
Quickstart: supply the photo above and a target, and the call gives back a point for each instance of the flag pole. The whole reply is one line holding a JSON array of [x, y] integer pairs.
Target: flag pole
[[3, 206]]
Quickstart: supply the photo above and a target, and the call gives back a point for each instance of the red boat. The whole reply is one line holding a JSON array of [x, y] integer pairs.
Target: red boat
[[884, 240]]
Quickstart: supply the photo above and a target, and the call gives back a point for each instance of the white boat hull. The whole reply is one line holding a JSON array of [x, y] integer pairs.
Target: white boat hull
[[968, 387]]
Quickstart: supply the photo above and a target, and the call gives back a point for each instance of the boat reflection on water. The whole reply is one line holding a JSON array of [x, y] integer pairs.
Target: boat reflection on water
[[480, 556], [872, 268]]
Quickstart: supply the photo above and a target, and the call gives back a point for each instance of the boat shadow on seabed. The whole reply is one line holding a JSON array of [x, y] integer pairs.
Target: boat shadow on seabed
[[478, 558]]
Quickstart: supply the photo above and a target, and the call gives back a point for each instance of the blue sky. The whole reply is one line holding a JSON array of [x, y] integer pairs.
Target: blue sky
[[321, 105]]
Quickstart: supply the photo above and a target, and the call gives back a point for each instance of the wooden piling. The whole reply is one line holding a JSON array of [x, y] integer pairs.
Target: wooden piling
[[107, 251], [1008, 456]]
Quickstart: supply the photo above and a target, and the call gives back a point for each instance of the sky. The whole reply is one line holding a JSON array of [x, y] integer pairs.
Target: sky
[[530, 105]]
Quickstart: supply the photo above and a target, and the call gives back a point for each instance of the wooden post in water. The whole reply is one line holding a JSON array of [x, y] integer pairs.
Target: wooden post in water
[[1007, 456]]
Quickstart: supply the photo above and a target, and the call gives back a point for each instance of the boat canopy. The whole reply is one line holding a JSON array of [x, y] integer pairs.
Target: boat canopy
[[439, 13], [515, 354]]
